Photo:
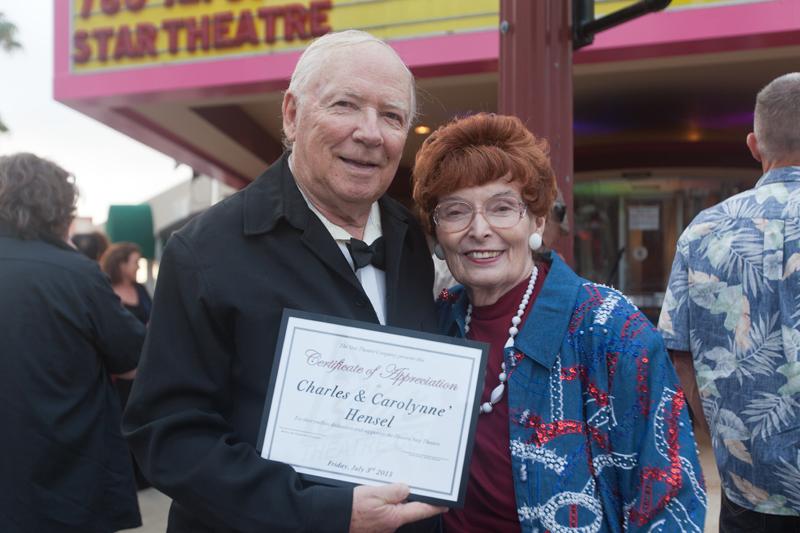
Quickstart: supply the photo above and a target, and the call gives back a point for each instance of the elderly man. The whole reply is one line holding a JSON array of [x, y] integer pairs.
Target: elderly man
[[732, 316], [283, 242]]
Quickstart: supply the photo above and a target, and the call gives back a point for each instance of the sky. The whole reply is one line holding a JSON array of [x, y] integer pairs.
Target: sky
[[109, 167]]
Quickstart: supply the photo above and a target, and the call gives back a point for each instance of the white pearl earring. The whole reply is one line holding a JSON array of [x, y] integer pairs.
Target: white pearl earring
[[438, 251], [535, 241]]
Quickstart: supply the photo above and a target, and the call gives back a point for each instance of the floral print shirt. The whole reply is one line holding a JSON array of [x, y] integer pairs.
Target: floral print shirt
[[733, 301]]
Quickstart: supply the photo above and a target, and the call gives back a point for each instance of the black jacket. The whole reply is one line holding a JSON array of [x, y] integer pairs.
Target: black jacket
[[64, 466], [194, 414]]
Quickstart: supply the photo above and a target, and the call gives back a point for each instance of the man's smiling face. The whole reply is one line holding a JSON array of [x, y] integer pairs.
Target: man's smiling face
[[349, 127]]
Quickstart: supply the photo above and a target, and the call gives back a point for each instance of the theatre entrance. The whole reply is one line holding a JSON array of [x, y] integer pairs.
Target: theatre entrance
[[627, 226]]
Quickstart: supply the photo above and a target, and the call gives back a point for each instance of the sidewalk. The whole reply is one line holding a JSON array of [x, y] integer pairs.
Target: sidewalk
[[154, 507]]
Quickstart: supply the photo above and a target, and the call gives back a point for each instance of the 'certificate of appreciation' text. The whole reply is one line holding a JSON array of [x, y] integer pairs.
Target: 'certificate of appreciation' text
[[354, 403]]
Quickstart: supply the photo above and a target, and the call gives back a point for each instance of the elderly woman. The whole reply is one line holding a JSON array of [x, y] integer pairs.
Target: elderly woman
[[583, 424]]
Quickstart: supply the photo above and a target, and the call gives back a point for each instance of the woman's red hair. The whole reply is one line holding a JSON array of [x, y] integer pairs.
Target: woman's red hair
[[477, 150]]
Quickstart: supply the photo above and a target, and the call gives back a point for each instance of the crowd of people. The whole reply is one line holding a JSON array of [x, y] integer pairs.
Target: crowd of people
[[583, 425]]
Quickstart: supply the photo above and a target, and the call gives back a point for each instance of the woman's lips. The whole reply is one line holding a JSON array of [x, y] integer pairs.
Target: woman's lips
[[483, 256]]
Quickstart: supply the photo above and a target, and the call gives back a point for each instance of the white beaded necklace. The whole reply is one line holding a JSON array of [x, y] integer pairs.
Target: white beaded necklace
[[497, 392]]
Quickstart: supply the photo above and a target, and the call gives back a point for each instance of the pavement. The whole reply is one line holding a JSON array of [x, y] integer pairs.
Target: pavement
[[155, 505]]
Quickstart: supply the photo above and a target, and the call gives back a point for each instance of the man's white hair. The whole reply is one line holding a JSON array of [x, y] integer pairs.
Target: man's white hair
[[777, 119], [312, 61]]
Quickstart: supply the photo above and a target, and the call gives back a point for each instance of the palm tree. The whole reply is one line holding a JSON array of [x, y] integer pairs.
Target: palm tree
[[8, 43]]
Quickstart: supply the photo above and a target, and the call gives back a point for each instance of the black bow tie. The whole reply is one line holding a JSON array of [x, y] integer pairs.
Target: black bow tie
[[364, 254]]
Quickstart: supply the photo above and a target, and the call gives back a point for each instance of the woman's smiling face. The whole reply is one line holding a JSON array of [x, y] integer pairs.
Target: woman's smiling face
[[487, 260]]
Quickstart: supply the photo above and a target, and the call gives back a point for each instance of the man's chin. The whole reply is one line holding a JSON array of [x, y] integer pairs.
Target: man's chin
[[361, 191], [361, 200]]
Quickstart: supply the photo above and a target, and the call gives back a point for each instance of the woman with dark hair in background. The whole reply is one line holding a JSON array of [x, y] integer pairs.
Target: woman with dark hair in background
[[121, 263], [582, 425], [64, 466]]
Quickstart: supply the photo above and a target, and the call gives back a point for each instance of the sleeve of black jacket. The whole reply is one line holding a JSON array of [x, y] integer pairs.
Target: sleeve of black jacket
[[176, 423], [117, 334]]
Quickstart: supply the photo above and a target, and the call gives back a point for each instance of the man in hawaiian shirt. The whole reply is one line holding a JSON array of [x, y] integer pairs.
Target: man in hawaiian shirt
[[731, 317]]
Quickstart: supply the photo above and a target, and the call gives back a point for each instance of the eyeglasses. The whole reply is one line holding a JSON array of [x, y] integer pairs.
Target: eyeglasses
[[499, 212]]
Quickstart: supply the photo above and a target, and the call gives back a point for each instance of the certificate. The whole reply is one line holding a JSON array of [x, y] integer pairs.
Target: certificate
[[355, 403]]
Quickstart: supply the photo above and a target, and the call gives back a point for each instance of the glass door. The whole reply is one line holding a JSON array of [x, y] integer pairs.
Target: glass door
[[626, 230]]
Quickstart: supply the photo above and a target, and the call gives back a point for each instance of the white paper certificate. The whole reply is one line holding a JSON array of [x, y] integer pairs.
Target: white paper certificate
[[356, 403]]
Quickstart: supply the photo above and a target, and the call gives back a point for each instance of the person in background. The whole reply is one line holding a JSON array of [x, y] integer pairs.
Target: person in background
[[121, 263], [556, 224], [582, 424], [92, 245], [315, 232], [442, 278], [64, 466], [731, 319]]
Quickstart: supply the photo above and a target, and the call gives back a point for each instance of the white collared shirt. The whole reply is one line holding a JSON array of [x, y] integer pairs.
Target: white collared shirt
[[373, 280]]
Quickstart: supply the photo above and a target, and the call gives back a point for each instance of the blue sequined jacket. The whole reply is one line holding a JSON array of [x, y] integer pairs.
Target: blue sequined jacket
[[600, 433]]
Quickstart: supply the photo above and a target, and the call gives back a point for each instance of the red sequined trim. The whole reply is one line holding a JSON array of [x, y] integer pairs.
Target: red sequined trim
[[571, 373], [545, 432], [672, 477], [595, 300], [611, 363], [642, 363], [517, 357], [634, 325]]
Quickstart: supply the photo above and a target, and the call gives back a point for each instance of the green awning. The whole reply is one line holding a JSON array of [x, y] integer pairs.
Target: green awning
[[132, 223]]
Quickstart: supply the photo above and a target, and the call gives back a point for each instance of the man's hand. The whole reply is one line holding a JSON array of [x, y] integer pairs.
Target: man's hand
[[381, 509]]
